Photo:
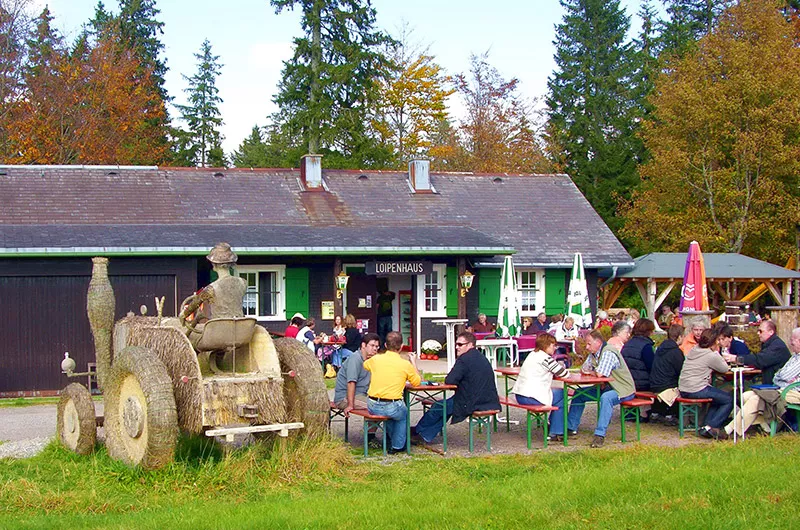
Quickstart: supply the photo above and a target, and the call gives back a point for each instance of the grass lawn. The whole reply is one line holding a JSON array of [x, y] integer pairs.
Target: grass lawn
[[750, 485]]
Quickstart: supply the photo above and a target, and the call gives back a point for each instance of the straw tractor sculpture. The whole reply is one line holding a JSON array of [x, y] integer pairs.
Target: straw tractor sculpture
[[230, 378]]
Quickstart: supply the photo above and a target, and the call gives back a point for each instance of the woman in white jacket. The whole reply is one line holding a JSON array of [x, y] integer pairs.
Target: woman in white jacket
[[533, 386]]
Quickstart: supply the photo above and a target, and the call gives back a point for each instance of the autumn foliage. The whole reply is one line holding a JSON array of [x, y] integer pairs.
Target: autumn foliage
[[725, 142]]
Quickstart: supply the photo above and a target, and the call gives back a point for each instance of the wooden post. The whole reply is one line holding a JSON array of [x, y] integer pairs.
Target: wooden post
[[785, 319], [462, 300], [338, 303]]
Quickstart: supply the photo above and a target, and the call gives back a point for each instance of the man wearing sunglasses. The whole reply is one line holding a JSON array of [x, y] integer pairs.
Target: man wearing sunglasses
[[473, 375]]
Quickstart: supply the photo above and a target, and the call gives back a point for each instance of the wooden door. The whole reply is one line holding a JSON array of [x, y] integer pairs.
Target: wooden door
[[363, 287]]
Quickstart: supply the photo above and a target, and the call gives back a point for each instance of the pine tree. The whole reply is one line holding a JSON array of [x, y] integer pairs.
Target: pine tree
[[592, 106], [202, 114], [689, 20], [330, 86], [252, 152], [45, 46], [141, 31], [101, 20]]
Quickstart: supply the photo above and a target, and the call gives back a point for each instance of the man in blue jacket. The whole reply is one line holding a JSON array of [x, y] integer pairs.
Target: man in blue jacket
[[473, 375]]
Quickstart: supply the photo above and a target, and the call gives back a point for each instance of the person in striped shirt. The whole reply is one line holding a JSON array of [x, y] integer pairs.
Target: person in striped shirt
[[533, 386], [750, 412]]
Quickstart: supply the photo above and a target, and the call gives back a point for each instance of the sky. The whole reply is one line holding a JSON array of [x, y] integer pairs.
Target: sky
[[253, 41]]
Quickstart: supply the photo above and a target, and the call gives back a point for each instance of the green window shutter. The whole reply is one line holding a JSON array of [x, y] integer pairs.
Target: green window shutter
[[296, 291], [452, 291], [489, 291], [555, 292]]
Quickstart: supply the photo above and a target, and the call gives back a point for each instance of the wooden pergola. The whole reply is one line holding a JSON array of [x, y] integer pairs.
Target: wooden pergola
[[729, 275]]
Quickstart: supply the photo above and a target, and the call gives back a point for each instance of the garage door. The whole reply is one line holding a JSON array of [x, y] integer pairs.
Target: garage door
[[44, 316]]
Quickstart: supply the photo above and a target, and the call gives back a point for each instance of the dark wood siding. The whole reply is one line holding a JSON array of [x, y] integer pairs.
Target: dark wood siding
[[43, 312]]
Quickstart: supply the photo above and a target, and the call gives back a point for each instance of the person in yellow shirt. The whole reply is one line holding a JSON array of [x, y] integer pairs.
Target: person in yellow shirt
[[390, 372]]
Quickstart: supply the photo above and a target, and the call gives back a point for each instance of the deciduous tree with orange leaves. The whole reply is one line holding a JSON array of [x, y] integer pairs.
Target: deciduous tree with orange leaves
[[725, 142], [88, 106]]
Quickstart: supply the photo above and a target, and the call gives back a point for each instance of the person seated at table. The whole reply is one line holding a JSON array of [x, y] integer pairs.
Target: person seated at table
[[353, 380], [761, 406], [473, 375], [666, 317], [603, 320], [527, 326], [633, 317], [638, 353], [533, 386], [695, 383], [773, 354], [338, 327], [727, 342], [541, 325], [389, 375], [313, 342], [664, 375], [567, 331], [604, 360], [555, 323], [691, 339], [482, 325], [352, 341], [297, 322]]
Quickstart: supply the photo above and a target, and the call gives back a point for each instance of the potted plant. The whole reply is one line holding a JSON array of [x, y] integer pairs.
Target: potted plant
[[430, 350]]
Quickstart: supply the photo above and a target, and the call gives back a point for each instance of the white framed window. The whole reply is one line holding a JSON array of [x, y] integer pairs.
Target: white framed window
[[530, 284], [431, 292], [265, 298]]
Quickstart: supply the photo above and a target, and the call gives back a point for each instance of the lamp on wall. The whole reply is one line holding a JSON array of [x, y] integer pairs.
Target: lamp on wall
[[341, 283], [466, 282]]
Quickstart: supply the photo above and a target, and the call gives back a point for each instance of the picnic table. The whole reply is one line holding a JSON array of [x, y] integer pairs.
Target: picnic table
[[582, 385], [427, 392]]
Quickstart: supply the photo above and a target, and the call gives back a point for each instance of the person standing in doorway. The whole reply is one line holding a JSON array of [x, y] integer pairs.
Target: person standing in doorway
[[385, 301]]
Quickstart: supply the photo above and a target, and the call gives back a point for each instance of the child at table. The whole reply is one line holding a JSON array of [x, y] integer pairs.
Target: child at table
[[533, 386]]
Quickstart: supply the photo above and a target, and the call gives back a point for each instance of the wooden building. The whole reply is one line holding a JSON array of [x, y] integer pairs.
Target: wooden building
[[413, 233]]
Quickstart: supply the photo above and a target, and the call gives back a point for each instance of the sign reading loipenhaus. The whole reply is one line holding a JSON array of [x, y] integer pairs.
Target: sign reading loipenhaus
[[398, 268]]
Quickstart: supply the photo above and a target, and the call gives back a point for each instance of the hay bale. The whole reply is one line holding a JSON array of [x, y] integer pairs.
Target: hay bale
[[305, 394], [222, 396], [173, 348]]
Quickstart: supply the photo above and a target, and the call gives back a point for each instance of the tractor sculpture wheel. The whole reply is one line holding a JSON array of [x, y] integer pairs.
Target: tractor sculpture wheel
[[76, 424], [141, 418]]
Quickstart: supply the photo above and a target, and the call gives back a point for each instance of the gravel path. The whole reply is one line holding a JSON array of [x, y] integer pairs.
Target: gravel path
[[25, 431]]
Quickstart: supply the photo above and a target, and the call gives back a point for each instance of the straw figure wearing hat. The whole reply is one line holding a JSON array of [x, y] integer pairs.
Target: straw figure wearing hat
[[223, 297]]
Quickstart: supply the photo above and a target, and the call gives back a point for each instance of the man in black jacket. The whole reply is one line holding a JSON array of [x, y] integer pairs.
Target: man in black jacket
[[473, 375], [773, 354], [666, 371]]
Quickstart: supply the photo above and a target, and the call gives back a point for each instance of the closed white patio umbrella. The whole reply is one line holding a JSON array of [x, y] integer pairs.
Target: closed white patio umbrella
[[508, 314], [578, 295]]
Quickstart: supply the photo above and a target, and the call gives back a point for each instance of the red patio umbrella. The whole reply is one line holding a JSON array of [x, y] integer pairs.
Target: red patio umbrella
[[694, 295]]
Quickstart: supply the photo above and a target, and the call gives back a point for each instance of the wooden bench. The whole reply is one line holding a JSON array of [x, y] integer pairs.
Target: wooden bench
[[372, 420], [482, 418], [336, 412], [630, 409], [690, 409], [646, 395], [534, 412]]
